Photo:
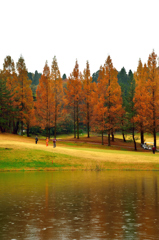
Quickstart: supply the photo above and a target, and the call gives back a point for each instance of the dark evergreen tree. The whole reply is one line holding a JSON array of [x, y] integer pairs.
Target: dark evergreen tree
[[36, 78], [124, 82], [5, 105], [30, 76], [95, 76], [64, 76]]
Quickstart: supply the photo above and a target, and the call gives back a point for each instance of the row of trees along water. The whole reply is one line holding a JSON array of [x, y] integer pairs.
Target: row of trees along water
[[105, 102]]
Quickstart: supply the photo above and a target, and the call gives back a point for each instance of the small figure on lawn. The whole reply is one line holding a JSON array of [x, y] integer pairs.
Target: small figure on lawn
[[153, 149], [54, 142], [36, 139], [47, 142]]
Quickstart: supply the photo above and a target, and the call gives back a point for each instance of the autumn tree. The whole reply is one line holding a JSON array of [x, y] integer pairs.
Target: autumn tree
[[112, 100], [69, 101], [30, 111], [43, 103], [108, 108], [11, 83], [24, 90], [153, 90], [73, 96], [87, 89], [99, 117], [57, 94], [141, 99]]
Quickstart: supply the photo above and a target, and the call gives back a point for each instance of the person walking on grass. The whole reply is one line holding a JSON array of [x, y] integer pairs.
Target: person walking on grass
[[36, 139], [47, 142], [54, 142], [153, 149]]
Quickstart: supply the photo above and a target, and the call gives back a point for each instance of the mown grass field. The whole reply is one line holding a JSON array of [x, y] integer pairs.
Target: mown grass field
[[21, 153]]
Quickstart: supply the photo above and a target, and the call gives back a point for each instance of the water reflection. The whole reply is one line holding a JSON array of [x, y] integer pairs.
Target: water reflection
[[79, 205]]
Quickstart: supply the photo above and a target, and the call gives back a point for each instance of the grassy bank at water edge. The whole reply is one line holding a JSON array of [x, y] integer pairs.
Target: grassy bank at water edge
[[20, 153]]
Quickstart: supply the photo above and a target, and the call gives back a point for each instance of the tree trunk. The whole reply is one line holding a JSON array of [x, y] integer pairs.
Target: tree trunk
[[49, 131], [142, 136], [109, 113], [74, 122], [123, 136], [154, 120], [46, 131], [123, 131], [88, 129], [15, 127], [109, 137], [133, 133], [55, 128], [77, 122], [154, 136], [55, 113], [10, 126], [112, 135], [88, 120], [21, 128], [27, 130], [102, 138]]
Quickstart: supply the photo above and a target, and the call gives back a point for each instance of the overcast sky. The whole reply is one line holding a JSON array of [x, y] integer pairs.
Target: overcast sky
[[79, 29]]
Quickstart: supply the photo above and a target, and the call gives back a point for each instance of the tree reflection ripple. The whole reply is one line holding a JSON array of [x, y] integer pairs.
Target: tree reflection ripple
[[79, 205]]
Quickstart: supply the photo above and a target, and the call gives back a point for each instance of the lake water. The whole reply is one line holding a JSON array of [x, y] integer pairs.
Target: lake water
[[79, 205]]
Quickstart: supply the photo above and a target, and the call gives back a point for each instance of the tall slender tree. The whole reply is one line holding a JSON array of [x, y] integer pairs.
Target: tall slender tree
[[73, 93], [99, 118], [141, 99], [153, 89], [57, 94], [30, 111], [112, 98], [11, 83], [24, 90], [108, 107], [86, 106], [43, 103]]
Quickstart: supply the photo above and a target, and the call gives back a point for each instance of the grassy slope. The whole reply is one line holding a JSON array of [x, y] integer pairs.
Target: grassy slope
[[21, 153]]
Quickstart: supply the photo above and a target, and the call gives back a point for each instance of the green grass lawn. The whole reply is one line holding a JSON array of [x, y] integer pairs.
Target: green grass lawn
[[33, 159], [21, 153]]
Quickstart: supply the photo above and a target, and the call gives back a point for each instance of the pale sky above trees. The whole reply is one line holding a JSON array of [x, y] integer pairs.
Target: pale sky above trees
[[84, 30]]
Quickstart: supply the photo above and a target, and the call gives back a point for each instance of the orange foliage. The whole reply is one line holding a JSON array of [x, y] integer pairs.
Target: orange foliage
[[108, 108], [73, 96], [23, 89], [11, 81], [44, 103], [87, 94], [141, 97], [153, 90], [57, 94]]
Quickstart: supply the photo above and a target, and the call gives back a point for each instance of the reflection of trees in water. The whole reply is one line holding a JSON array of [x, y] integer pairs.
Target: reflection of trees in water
[[73, 205], [147, 206]]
